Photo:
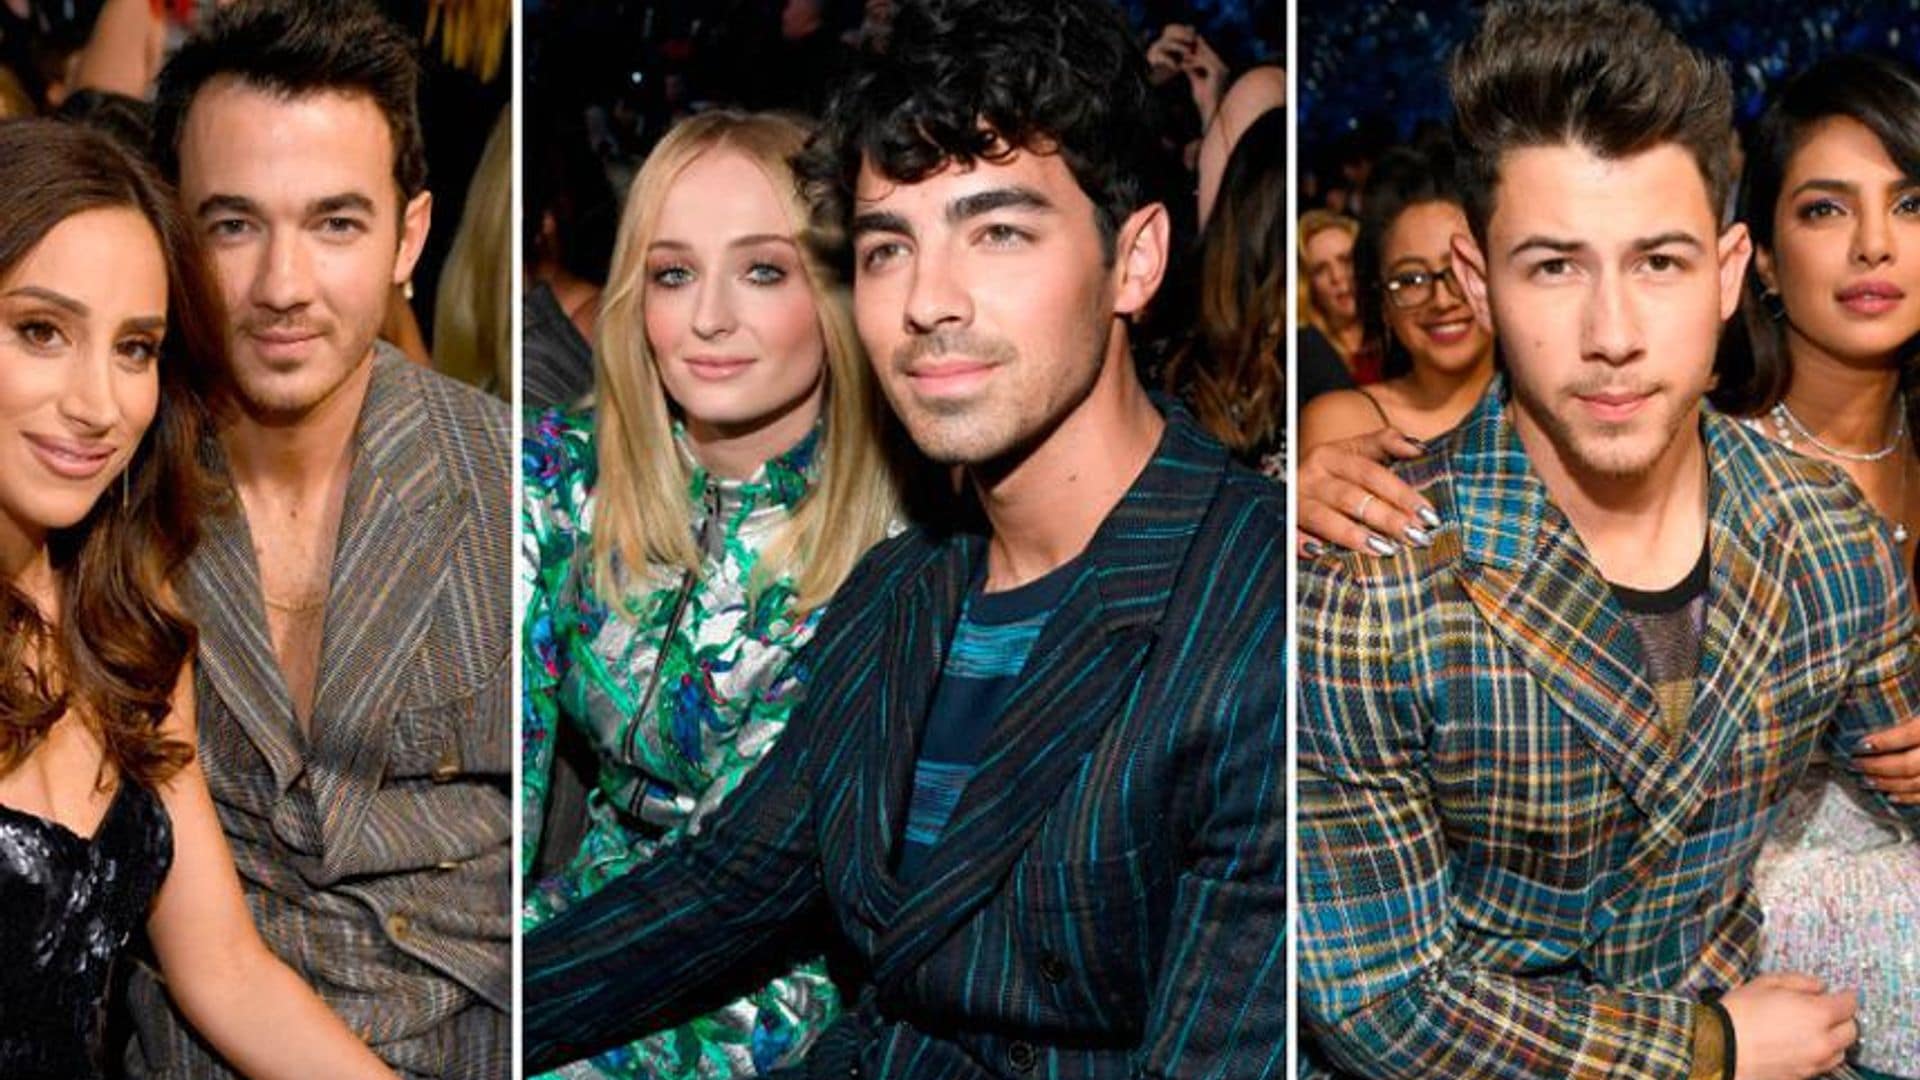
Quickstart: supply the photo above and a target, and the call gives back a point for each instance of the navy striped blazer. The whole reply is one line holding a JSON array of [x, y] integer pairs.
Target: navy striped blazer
[[1108, 899]]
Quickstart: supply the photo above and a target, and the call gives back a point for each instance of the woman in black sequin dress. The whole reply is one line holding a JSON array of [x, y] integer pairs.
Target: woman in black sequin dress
[[107, 328]]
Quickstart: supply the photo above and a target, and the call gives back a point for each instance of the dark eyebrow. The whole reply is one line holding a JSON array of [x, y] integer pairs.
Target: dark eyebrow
[[1557, 246], [333, 204], [1671, 236], [150, 324], [237, 204], [59, 300], [873, 221], [985, 202]]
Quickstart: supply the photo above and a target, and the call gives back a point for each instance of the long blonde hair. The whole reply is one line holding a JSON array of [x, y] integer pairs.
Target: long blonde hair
[[643, 516], [473, 309], [1313, 223]]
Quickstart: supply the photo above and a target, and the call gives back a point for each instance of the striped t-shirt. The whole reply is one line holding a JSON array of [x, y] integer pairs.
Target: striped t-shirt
[[990, 646]]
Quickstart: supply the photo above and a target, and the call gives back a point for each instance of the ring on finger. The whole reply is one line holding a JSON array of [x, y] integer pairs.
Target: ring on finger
[[1360, 511]]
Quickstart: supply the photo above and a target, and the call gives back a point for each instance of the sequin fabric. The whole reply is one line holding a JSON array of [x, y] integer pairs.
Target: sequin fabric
[[1840, 885], [67, 904]]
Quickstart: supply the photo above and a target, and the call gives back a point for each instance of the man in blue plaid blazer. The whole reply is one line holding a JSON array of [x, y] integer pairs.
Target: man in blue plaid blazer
[[1105, 897], [1538, 758]]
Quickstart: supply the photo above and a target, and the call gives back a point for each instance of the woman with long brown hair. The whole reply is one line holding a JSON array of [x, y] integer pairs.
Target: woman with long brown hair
[[109, 331], [1231, 373]]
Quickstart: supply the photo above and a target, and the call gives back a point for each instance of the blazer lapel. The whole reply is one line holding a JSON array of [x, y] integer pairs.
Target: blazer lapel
[[1083, 671], [396, 523], [221, 587], [1526, 572], [920, 625], [1746, 624]]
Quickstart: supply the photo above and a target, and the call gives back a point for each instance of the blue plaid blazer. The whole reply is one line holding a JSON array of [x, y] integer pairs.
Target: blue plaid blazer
[[1108, 899], [1507, 868]]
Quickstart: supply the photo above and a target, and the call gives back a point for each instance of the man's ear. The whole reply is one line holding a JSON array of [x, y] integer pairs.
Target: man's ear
[[1736, 247], [1470, 267], [1140, 258], [415, 218]]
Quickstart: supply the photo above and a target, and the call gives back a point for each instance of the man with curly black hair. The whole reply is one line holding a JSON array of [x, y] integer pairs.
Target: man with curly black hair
[[1035, 790]]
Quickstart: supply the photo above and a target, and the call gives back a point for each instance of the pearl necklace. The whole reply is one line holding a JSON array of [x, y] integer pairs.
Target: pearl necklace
[[1785, 423], [1783, 419]]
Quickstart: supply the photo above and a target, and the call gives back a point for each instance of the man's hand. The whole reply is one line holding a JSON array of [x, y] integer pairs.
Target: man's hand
[[1890, 761], [1787, 1027], [1349, 497]]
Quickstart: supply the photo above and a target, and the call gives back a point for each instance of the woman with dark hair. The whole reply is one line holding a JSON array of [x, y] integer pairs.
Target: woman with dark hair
[[109, 329], [1822, 361], [1231, 373], [1438, 358]]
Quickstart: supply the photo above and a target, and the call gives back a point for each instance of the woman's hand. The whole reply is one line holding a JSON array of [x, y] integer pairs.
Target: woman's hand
[[1349, 497], [1890, 762]]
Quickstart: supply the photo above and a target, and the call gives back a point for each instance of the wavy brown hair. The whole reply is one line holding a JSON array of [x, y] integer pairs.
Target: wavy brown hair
[[1231, 372], [115, 650]]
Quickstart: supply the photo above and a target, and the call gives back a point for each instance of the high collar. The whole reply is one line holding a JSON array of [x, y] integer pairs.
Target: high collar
[[779, 483], [1505, 511]]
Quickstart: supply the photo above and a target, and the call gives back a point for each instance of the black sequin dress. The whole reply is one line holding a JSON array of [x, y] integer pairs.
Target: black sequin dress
[[67, 904]]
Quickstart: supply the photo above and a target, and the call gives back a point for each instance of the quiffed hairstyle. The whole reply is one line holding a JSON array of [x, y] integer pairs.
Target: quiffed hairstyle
[[1884, 97], [642, 522], [1403, 178], [294, 48], [114, 654], [967, 80], [1599, 74]]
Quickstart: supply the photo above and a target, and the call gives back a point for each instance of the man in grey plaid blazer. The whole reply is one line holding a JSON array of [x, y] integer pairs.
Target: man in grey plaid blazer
[[352, 679]]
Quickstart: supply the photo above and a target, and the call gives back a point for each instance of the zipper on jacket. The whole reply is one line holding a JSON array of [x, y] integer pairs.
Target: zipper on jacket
[[689, 580]]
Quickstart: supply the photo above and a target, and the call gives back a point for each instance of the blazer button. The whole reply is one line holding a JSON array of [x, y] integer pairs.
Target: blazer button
[[399, 927], [1022, 1056], [1052, 968], [448, 766]]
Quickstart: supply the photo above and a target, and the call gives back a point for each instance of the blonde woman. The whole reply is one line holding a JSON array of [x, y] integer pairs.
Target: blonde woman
[[1333, 350], [473, 307], [685, 531]]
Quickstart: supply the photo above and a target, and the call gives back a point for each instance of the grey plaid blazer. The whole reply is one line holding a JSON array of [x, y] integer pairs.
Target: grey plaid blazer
[[375, 854]]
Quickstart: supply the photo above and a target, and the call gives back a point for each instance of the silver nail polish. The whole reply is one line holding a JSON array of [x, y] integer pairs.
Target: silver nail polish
[[1427, 515], [1381, 546], [1314, 549], [1418, 536]]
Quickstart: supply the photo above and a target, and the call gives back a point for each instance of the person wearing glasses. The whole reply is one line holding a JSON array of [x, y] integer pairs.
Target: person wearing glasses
[[1438, 360]]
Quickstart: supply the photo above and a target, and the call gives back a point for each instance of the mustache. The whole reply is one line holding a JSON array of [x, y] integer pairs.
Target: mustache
[[280, 325], [954, 343], [1603, 384]]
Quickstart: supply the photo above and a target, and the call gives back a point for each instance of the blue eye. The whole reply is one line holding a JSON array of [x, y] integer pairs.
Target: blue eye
[[766, 274], [672, 277]]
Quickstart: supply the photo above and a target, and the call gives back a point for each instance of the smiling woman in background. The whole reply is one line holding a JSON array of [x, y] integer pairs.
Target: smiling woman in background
[[1439, 360]]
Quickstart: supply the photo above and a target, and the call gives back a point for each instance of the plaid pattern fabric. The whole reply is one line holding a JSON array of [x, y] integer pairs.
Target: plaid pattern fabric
[[375, 854], [1108, 898], [1507, 867]]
